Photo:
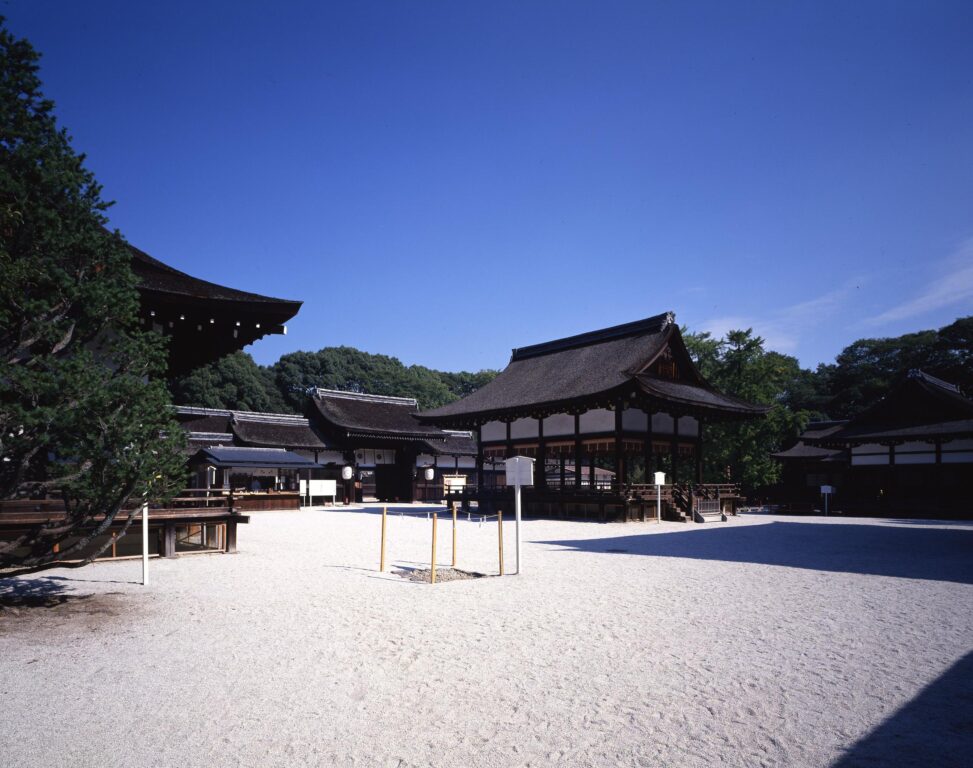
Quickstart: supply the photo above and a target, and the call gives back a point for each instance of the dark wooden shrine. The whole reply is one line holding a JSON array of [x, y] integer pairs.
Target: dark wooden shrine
[[911, 453], [600, 412]]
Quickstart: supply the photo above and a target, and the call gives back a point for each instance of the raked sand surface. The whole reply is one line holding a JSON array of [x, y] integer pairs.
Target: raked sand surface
[[762, 641]]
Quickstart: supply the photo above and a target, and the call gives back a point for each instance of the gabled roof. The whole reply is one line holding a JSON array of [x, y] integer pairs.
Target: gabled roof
[[253, 458], [578, 370], [457, 443], [279, 431], [253, 428], [355, 414], [918, 407], [804, 451]]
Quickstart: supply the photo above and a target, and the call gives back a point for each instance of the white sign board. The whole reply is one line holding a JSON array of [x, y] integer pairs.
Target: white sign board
[[454, 482], [520, 470], [320, 488], [826, 489], [660, 478]]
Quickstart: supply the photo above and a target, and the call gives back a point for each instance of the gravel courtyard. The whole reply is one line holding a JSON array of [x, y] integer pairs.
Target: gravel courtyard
[[764, 641]]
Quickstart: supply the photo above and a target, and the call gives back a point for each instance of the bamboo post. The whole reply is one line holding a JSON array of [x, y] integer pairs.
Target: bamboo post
[[381, 560], [500, 537], [454, 534], [432, 573]]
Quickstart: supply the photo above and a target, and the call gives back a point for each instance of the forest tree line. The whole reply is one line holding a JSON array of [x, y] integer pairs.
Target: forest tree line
[[738, 364]]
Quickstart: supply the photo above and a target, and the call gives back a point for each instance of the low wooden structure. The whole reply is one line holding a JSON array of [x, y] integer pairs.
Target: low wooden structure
[[379, 437], [626, 401], [194, 521]]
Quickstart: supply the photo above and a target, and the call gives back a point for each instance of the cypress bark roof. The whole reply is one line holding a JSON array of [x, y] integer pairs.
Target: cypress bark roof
[[291, 432], [578, 371], [815, 430], [249, 428], [918, 407], [354, 414], [457, 443], [154, 275], [203, 321]]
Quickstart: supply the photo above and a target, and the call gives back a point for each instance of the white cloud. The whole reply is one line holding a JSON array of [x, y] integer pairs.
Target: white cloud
[[781, 329], [953, 287]]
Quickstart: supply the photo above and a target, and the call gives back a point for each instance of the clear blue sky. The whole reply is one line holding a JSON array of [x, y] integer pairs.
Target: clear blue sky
[[442, 181]]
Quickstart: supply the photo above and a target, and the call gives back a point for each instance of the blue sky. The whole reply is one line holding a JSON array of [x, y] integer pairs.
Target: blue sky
[[442, 181]]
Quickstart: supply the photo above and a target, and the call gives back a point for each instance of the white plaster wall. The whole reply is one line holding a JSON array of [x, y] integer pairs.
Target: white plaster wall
[[915, 458], [662, 424], [559, 424], [523, 428], [330, 457], [688, 426], [635, 419], [960, 457], [493, 430], [597, 420]]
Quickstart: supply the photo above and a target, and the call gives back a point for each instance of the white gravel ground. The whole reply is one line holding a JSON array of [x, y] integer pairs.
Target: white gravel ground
[[763, 641]]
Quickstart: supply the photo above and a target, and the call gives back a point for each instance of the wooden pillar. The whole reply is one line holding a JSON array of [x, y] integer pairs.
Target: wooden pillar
[[577, 450], [230, 543], [168, 540], [479, 458], [647, 451], [541, 464], [674, 449], [699, 452], [620, 473]]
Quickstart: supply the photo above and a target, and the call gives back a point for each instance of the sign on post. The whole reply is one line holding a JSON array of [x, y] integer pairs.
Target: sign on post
[[660, 480], [826, 491], [520, 472]]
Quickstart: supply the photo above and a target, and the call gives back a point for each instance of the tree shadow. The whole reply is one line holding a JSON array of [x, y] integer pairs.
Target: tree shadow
[[939, 554], [934, 729], [35, 593]]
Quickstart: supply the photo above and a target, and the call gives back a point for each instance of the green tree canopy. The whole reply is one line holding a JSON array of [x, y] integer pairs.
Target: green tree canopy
[[235, 382], [83, 410], [739, 365]]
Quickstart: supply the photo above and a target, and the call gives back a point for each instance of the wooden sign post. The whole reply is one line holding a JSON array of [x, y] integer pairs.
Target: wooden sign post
[[432, 572], [454, 534], [520, 472], [381, 561], [500, 536]]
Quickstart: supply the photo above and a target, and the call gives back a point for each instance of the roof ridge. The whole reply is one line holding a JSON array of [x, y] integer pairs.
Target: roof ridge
[[366, 397], [199, 410], [269, 418], [917, 373], [654, 324]]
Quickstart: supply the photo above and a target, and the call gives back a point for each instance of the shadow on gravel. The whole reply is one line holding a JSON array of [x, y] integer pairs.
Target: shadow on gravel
[[904, 551], [934, 729], [35, 593]]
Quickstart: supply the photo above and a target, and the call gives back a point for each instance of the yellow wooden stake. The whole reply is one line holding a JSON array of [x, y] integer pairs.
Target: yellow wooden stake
[[432, 573], [381, 561], [500, 536], [454, 534]]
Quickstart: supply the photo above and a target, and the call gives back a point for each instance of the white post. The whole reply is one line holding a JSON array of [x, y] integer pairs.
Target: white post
[[658, 503], [517, 526], [145, 544]]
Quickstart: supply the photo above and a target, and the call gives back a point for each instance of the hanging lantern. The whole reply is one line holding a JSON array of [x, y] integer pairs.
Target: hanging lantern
[[429, 474], [347, 473]]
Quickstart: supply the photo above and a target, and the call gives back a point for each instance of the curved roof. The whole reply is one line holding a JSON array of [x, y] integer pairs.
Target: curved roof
[[357, 414], [568, 372], [918, 407]]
